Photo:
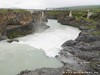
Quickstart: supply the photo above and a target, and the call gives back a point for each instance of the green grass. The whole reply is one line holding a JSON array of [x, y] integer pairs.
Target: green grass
[[79, 14], [53, 12], [5, 11], [91, 27], [86, 7], [95, 33], [94, 64]]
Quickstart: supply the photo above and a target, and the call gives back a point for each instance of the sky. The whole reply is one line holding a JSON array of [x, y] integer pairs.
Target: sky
[[42, 4]]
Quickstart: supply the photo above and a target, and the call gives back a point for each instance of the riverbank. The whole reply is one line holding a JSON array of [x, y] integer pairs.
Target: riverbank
[[19, 22], [57, 35], [38, 47], [87, 45], [69, 61], [85, 50], [79, 55]]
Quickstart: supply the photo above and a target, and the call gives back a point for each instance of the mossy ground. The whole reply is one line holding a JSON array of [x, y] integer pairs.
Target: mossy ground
[[95, 65], [95, 33], [5, 11], [17, 33], [91, 27]]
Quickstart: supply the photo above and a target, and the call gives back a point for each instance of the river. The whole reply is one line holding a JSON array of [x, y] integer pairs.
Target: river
[[36, 50]]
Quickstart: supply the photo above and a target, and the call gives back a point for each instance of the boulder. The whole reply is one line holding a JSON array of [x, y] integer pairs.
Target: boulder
[[12, 40], [69, 43], [83, 36]]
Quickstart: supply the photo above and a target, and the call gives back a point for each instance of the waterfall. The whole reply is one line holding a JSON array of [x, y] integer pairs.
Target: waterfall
[[89, 14], [42, 14], [70, 14]]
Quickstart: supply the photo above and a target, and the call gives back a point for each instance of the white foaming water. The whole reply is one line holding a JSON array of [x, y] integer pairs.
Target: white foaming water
[[15, 57], [51, 40], [29, 52]]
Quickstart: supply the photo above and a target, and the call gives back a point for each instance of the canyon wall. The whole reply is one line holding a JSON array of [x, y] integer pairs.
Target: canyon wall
[[18, 22]]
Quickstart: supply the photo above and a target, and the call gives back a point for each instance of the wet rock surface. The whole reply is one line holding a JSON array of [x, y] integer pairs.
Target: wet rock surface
[[43, 71], [12, 40], [79, 55], [86, 46]]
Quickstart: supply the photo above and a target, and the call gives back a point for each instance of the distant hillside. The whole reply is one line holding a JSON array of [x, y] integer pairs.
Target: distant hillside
[[80, 7]]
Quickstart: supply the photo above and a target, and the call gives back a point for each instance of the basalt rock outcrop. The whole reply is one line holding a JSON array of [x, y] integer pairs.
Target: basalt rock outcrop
[[19, 22], [87, 45], [13, 32], [43, 71]]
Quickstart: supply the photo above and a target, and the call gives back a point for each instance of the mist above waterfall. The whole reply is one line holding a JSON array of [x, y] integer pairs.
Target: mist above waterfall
[[39, 27]]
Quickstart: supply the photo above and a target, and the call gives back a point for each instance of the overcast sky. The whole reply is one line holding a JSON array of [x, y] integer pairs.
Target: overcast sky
[[34, 4]]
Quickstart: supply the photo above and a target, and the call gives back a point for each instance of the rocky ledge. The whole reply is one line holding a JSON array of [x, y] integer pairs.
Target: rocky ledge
[[18, 22], [87, 45]]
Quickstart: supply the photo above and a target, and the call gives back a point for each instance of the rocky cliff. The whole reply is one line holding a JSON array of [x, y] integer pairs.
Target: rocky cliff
[[19, 22], [87, 45]]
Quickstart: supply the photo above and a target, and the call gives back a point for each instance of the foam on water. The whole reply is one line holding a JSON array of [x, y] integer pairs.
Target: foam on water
[[51, 40], [29, 52], [15, 57]]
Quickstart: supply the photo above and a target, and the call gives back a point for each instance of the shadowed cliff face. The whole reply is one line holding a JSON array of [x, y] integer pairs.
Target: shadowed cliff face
[[19, 22], [87, 45], [13, 18]]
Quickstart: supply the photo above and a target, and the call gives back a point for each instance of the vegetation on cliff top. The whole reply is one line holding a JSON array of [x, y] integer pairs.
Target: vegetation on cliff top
[[21, 15], [5, 11], [12, 19], [86, 7]]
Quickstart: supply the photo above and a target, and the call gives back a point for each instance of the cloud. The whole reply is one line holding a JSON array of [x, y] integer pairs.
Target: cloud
[[32, 4]]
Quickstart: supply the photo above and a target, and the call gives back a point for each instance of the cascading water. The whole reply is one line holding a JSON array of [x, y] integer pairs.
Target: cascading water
[[50, 41], [32, 50]]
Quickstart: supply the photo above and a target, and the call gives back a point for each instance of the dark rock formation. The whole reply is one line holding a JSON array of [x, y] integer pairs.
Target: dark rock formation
[[12, 40], [16, 23], [13, 21], [18, 31], [84, 36], [69, 43], [67, 20], [43, 71], [86, 46]]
